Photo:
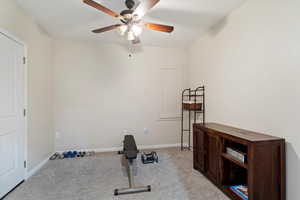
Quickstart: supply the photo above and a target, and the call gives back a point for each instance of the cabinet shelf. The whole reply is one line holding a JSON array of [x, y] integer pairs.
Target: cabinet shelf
[[234, 160]]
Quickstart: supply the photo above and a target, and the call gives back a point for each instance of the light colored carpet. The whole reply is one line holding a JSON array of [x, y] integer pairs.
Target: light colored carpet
[[95, 178]]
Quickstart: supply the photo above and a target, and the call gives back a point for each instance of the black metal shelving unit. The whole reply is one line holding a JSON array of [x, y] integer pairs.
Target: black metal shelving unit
[[193, 102]]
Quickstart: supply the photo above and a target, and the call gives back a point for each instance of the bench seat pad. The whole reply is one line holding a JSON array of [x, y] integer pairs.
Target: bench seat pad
[[130, 148]]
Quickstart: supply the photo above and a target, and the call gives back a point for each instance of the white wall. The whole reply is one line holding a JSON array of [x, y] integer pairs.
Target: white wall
[[99, 92], [251, 69], [40, 127]]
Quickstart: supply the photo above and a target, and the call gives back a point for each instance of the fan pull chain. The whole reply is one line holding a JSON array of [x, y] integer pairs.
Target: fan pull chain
[[130, 49]]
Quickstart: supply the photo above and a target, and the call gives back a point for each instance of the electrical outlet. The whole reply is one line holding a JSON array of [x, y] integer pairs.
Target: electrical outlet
[[146, 131]]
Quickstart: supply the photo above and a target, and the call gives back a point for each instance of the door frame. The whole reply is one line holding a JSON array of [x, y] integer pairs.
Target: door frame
[[17, 40]]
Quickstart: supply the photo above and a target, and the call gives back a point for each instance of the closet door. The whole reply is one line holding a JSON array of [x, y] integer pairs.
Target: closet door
[[12, 121]]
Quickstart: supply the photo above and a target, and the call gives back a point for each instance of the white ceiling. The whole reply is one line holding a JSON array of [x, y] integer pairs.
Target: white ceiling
[[72, 19]]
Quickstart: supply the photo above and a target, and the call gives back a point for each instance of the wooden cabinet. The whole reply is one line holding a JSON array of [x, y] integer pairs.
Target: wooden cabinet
[[199, 150], [263, 170], [212, 141]]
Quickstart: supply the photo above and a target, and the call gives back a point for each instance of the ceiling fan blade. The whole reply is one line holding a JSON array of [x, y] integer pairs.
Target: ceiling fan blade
[[144, 7], [159, 27], [101, 8], [108, 28], [136, 40]]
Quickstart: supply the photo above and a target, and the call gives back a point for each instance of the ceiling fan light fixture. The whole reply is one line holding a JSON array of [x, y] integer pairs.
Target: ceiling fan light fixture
[[130, 36], [122, 29], [136, 29]]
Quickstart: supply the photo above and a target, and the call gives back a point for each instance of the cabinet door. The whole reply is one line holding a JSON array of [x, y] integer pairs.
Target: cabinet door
[[213, 157], [199, 150]]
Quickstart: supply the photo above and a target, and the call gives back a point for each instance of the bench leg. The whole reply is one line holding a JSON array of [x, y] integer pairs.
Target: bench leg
[[130, 175], [132, 189]]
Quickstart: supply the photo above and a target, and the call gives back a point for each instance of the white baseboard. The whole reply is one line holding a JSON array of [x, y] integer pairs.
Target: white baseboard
[[37, 168], [158, 146], [141, 147]]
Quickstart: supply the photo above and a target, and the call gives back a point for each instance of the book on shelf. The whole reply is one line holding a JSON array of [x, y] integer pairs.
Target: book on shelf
[[240, 190], [236, 154]]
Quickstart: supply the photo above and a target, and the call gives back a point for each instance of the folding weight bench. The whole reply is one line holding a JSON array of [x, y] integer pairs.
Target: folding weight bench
[[130, 152]]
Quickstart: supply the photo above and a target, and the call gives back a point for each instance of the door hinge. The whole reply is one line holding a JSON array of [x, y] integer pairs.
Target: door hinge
[[24, 60], [24, 112], [25, 164]]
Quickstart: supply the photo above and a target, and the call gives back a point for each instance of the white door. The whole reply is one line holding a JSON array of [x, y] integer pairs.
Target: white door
[[12, 121]]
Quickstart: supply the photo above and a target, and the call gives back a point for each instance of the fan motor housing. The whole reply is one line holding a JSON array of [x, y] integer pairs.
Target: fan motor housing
[[127, 14]]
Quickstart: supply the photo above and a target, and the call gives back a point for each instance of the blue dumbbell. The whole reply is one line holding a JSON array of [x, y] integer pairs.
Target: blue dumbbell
[[75, 154], [65, 154], [70, 154]]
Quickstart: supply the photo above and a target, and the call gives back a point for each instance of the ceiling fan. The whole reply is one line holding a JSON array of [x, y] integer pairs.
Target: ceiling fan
[[132, 24]]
